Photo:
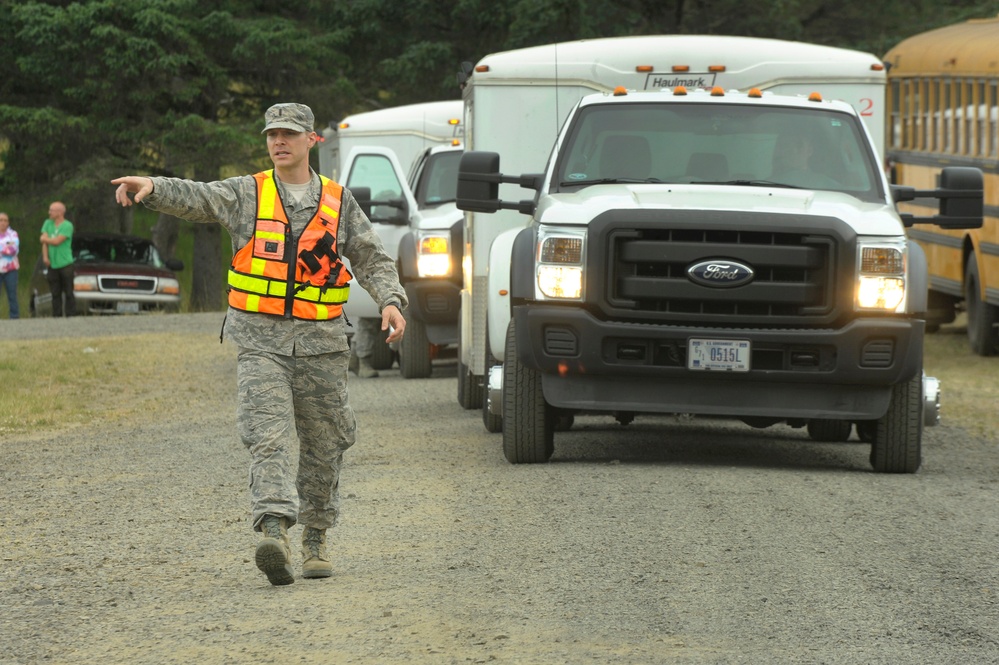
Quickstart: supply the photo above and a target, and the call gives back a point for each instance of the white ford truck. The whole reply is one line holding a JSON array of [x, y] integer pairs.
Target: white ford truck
[[712, 252]]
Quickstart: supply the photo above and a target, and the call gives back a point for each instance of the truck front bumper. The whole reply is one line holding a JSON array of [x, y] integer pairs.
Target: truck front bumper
[[593, 365], [436, 303]]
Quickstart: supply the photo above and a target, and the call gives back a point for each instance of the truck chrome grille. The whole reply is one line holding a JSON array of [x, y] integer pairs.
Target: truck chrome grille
[[793, 282]]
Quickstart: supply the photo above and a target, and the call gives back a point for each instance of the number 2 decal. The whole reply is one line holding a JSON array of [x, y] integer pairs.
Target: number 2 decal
[[866, 107]]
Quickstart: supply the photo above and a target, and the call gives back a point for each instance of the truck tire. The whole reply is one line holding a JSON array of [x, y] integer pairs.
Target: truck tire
[[982, 316], [822, 429], [492, 422], [528, 421], [414, 351], [897, 445], [469, 390], [382, 355]]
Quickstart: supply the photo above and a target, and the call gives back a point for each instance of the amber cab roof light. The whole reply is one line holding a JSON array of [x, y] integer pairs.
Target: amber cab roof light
[[344, 125], [482, 68], [681, 68], [620, 91], [716, 68], [679, 90], [644, 68], [815, 97], [717, 91]]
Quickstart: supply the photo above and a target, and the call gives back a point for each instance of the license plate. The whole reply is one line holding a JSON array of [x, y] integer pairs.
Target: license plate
[[127, 308], [725, 355]]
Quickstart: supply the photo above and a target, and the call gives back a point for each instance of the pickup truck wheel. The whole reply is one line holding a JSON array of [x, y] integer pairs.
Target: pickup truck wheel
[[982, 317], [492, 422], [897, 445], [469, 390], [528, 421], [822, 429], [382, 355], [414, 351]]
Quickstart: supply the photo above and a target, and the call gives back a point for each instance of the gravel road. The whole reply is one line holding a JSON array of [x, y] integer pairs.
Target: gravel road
[[666, 541]]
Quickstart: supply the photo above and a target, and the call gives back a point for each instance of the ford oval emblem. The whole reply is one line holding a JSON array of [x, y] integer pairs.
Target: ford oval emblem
[[720, 273]]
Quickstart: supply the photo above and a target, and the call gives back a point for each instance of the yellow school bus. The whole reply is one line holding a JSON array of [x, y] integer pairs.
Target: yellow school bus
[[943, 100]]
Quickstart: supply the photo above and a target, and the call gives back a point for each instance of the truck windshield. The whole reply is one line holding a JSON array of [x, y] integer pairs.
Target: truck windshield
[[438, 183], [747, 145]]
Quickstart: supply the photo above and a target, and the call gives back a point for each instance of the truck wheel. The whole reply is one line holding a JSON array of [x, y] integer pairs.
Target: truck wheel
[[528, 422], [897, 445], [382, 355], [822, 429], [469, 390], [492, 422], [414, 351], [982, 316]]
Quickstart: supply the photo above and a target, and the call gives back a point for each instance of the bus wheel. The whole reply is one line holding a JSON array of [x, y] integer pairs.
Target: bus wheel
[[982, 317], [528, 421]]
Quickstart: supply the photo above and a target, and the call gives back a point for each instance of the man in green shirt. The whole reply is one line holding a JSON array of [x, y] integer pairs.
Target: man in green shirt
[[57, 254]]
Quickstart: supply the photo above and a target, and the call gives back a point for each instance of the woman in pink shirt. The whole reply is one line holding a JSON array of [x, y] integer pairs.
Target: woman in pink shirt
[[10, 245]]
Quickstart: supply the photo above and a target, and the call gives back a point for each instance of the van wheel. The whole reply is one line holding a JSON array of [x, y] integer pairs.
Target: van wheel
[[414, 351], [469, 390], [492, 422], [528, 421], [822, 429], [982, 317], [382, 355], [897, 445]]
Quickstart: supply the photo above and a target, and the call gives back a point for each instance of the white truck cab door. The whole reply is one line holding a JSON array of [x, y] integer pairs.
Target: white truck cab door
[[379, 170]]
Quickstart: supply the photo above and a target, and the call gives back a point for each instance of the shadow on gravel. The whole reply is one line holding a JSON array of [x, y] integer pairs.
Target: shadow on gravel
[[703, 442]]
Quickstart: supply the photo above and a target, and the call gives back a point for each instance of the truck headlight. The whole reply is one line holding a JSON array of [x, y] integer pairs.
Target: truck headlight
[[168, 286], [433, 258], [85, 283], [881, 279], [560, 264]]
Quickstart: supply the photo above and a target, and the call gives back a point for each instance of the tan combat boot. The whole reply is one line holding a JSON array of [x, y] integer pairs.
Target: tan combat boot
[[274, 551], [317, 561]]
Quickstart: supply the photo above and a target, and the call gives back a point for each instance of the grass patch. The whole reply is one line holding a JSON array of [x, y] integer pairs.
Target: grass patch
[[969, 392], [74, 382]]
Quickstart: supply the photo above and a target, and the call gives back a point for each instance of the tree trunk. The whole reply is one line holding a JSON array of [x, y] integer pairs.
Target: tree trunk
[[165, 233], [206, 276]]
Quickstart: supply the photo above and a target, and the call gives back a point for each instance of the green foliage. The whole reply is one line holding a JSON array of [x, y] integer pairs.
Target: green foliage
[[92, 90]]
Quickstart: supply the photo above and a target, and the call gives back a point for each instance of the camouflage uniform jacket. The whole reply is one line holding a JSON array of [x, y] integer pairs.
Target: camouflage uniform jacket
[[233, 204]]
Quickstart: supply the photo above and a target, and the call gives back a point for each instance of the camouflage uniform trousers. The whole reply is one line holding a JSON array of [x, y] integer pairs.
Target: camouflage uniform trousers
[[279, 396]]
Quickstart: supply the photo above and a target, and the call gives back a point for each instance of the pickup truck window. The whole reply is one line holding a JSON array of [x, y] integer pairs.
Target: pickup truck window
[[745, 145]]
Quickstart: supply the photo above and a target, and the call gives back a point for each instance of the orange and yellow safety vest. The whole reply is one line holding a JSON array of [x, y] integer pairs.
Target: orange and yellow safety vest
[[272, 274]]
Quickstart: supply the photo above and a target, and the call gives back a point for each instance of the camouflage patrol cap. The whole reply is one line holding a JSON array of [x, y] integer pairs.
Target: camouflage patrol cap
[[296, 117]]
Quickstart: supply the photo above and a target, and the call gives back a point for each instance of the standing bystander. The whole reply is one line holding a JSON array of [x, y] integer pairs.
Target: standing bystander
[[287, 286], [57, 254], [10, 245]]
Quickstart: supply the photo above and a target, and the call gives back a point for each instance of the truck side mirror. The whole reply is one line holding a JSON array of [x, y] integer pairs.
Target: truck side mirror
[[478, 181], [961, 193], [363, 197]]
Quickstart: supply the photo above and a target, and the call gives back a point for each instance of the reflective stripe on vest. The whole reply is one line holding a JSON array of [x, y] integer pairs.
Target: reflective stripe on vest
[[267, 275]]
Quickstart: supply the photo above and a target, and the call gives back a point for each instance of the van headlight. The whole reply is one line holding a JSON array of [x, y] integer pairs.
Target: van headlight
[[881, 277], [433, 258], [560, 265]]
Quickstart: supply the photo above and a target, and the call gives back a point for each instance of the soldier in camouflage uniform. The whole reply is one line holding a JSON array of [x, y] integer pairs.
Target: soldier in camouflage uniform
[[291, 373]]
